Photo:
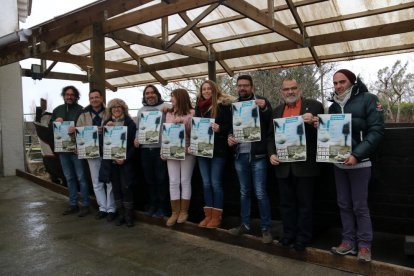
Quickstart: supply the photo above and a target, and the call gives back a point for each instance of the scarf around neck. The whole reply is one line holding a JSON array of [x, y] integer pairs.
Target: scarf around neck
[[341, 99], [204, 105]]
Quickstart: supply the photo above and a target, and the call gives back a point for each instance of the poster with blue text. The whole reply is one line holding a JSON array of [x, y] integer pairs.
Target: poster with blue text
[[202, 137], [87, 142], [290, 139], [173, 141], [246, 121], [115, 142], [334, 138], [149, 127], [63, 141]]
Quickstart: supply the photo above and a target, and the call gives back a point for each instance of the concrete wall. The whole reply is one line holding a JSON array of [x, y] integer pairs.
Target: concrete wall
[[11, 100]]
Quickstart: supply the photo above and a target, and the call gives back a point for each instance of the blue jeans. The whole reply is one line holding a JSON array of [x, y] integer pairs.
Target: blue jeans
[[156, 178], [74, 171], [253, 173], [211, 170]]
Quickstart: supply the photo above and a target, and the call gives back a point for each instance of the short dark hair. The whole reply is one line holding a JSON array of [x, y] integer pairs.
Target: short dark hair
[[74, 89], [96, 90], [245, 77]]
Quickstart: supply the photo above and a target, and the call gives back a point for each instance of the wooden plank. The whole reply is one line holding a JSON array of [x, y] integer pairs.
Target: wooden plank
[[258, 16], [97, 77], [58, 76]]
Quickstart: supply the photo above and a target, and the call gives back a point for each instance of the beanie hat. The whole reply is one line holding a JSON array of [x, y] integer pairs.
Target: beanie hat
[[348, 74]]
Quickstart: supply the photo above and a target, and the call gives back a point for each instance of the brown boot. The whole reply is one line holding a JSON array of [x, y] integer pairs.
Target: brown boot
[[206, 220], [182, 217], [215, 218], [175, 208]]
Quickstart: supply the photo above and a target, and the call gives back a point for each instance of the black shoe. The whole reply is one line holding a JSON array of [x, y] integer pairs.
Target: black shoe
[[84, 211], [299, 246], [111, 216], [72, 209], [101, 215], [285, 242]]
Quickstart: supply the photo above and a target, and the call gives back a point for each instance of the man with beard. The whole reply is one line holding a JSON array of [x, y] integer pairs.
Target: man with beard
[[73, 168], [154, 169], [92, 115], [251, 164], [296, 179]]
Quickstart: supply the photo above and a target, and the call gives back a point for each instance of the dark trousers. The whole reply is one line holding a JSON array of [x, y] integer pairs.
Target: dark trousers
[[156, 178], [296, 201], [121, 184]]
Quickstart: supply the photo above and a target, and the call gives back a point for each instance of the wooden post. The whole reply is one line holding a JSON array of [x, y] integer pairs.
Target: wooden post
[[97, 72]]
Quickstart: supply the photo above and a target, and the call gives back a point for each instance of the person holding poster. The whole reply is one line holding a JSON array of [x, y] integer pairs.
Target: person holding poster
[[93, 115], [251, 163], [296, 179], [121, 172], [154, 169], [212, 103], [73, 168], [353, 175], [180, 171]]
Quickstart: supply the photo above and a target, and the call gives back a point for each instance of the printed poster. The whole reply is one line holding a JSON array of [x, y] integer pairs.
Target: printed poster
[[334, 143], [87, 141], [202, 137], [115, 142], [149, 127], [63, 141], [246, 121], [173, 141], [290, 139]]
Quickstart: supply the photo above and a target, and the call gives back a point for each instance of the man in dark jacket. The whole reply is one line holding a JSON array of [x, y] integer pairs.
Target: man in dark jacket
[[72, 167], [251, 164], [296, 179]]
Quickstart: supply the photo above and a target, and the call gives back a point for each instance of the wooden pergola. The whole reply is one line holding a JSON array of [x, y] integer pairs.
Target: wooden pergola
[[121, 43]]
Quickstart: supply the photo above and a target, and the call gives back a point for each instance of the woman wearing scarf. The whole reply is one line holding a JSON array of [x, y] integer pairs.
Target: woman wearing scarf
[[180, 171], [211, 103], [121, 172], [353, 175]]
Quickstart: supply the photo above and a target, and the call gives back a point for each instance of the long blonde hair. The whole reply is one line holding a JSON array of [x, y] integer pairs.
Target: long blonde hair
[[215, 95]]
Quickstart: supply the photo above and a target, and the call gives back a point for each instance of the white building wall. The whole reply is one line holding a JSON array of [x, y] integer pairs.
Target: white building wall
[[11, 100]]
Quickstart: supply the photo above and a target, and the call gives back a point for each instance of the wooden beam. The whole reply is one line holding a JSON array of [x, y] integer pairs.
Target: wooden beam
[[191, 24], [149, 41], [260, 17], [97, 75], [140, 61], [164, 31], [58, 76], [153, 12], [68, 58]]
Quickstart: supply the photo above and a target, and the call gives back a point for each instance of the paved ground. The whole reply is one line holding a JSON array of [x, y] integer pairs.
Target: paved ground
[[37, 240]]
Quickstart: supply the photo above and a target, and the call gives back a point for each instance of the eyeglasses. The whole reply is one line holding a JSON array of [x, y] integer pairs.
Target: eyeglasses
[[243, 85], [117, 107], [287, 89]]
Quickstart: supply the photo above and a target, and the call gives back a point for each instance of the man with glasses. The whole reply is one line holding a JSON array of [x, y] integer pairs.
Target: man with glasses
[[251, 164], [296, 179], [73, 168]]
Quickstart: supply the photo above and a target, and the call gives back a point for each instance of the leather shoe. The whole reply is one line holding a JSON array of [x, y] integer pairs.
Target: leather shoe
[[101, 215], [72, 209], [111, 216], [84, 211]]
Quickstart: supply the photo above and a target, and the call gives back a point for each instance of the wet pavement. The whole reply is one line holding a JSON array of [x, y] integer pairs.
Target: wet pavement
[[37, 240]]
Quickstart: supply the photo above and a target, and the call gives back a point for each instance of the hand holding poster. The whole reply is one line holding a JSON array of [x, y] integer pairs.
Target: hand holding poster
[[290, 139], [246, 121], [149, 127], [115, 142], [334, 143], [63, 141], [87, 141], [202, 137], [173, 141]]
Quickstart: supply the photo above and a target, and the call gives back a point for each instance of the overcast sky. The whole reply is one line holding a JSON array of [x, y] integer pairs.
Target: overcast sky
[[50, 89]]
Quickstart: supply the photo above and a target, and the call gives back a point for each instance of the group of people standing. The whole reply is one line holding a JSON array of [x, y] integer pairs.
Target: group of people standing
[[113, 179]]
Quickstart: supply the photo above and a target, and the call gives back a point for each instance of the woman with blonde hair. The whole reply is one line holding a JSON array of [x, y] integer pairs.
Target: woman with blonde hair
[[121, 171], [212, 103], [180, 171]]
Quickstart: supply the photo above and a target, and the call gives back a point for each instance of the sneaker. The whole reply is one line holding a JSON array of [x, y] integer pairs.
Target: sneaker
[[267, 236], [72, 209], [159, 214], [111, 216], [101, 215], [364, 255], [344, 249], [238, 231], [286, 242], [84, 210]]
